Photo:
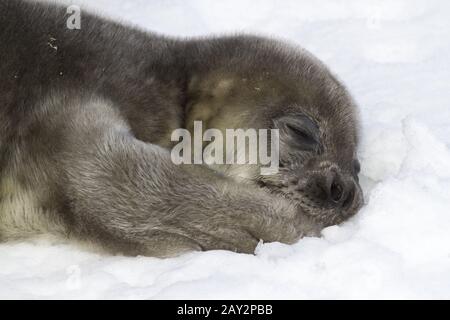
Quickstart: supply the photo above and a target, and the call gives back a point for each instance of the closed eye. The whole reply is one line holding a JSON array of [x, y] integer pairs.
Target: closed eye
[[299, 131], [303, 135]]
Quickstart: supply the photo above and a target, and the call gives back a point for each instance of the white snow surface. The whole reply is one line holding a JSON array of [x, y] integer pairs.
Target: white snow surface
[[394, 57]]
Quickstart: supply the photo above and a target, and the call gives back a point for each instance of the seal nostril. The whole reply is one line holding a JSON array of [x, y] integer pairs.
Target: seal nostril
[[349, 199], [331, 191], [336, 192]]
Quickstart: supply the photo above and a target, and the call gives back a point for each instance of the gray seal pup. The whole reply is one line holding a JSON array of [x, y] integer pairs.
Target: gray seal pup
[[86, 117]]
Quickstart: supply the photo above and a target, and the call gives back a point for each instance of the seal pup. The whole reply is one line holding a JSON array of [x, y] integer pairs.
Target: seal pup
[[85, 123]]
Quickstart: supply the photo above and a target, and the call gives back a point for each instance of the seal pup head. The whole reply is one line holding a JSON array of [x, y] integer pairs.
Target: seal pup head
[[255, 82], [318, 166]]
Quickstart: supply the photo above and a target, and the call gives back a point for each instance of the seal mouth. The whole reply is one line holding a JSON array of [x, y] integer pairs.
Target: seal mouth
[[329, 203]]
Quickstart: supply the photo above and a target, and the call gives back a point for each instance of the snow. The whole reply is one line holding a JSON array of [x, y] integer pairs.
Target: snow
[[393, 56]]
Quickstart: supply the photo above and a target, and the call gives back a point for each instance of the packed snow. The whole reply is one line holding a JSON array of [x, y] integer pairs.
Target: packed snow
[[394, 57]]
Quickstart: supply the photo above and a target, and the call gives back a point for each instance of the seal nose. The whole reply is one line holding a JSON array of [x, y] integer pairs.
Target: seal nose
[[335, 191]]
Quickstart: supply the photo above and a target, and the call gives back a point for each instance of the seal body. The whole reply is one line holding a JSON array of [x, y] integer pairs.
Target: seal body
[[85, 123]]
